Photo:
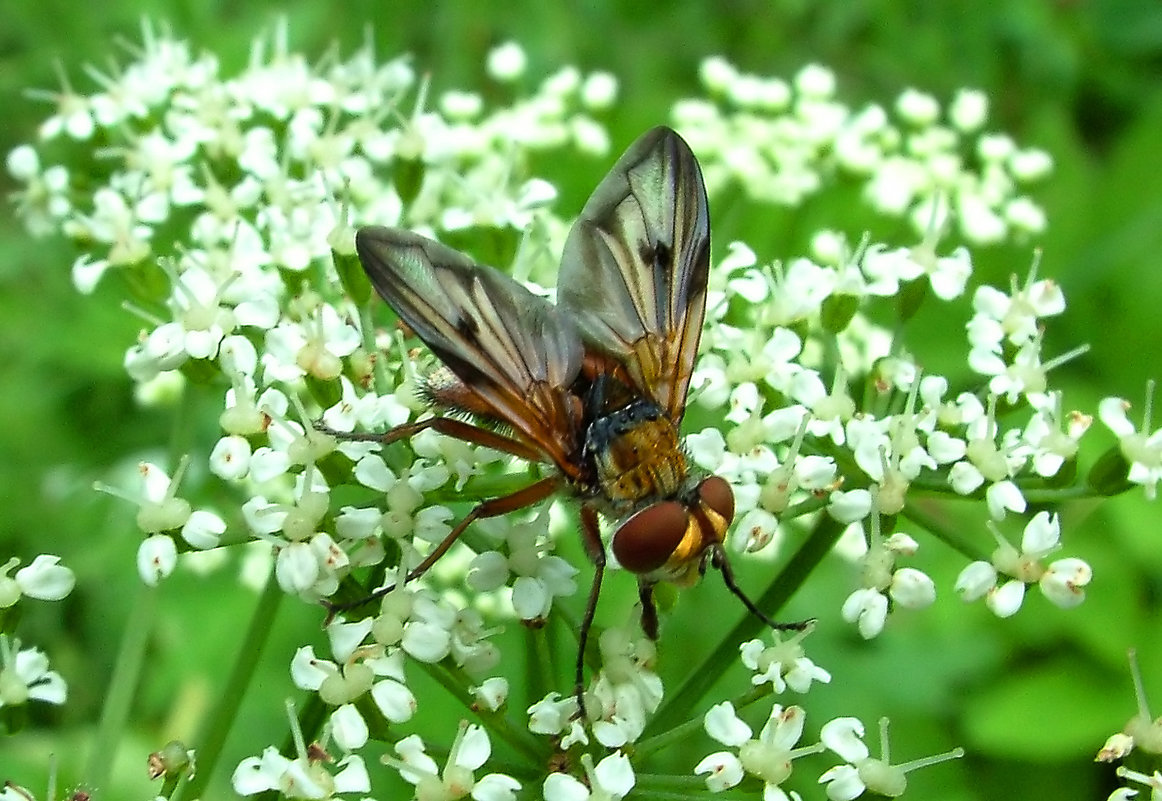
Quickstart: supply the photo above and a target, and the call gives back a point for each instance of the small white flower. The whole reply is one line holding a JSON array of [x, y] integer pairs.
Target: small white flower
[[301, 777], [844, 736], [863, 772], [157, 556], [868, 608], [1004, 496], [783, 664], [507, 62], [296, 568], [426, 641], [160, 509], [815, 80], [968, 110], [769, 757], [1143, 450], [469, 751], [492, 694], [912, 589], [203, 529], [610, 780], [555, 714], [599, 90], [1030, 165], [25, 676], [627, 690], [725, 726], [1005, 599], [230, 458], [45, 579], [1117, 746], [975, 580], [1023, 215], [540, 575], [1062, 582], [716, 73], [461, 105], [724, 770], [849, 507]]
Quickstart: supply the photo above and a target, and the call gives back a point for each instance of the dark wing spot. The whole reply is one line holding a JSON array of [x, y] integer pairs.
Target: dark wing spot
[[663, 256], [463, 369], [700, 275], [658, 255], [467, 328], [646, 253]]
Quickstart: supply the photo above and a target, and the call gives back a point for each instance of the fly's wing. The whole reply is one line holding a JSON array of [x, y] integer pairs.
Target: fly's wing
[[634, 268], [513, 350]]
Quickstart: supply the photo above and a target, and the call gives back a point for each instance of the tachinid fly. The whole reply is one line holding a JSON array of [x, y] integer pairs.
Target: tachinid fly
[[595, 385]]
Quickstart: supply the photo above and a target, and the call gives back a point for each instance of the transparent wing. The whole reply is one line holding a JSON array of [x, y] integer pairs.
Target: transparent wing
[[513, 350], [634, 268]]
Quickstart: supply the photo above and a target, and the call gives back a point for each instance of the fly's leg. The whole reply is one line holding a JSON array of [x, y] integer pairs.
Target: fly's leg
[[494, 507], [448, 426], [645, 592], [591, 537]]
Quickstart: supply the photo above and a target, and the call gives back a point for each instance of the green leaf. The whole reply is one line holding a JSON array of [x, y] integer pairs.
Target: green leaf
[[1062, 708]]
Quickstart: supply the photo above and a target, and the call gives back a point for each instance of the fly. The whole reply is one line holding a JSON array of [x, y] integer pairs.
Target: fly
[[595, 385]]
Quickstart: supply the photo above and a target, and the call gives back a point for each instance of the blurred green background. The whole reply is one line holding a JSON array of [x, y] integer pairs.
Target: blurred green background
[[1031, 698]]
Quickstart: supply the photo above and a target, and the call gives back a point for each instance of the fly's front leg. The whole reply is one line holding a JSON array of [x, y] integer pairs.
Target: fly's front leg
[[473, 435], [494, 507], [591, 538], [718, 560], [645, 593], [448, 426]]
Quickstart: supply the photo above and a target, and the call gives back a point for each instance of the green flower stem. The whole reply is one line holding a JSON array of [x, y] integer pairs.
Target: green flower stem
[[668, 787], [661, 742], [804, 507], [953, 537], [367, 334], [1060, 494], [650, 745], [457, 682], [169, 785], [122, 687], [541, 659], [682, 700], [313, 715], [1032, 487], [250, 649]]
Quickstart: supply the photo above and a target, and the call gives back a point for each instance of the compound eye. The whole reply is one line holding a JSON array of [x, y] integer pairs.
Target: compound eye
[[648, 539], [716, 493]]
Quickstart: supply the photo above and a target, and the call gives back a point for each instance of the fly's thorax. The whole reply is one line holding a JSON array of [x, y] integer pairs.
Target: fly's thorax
[[668, 539], [636, 454]]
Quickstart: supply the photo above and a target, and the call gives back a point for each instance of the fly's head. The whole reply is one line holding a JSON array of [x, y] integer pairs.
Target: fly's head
[[667, 539]]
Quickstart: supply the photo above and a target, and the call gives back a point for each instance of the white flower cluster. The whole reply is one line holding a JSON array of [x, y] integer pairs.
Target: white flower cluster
[[217, 196], [791, 349], [770, 756], [24, 672], [1142, 733], [229, 204], [785, 142]]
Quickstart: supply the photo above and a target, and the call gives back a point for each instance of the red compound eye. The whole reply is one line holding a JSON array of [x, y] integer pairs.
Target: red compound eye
[[716, 493], [648, 539]]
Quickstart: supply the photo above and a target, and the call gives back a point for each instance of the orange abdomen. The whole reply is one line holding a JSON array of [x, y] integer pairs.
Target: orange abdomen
[[642, 461]]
